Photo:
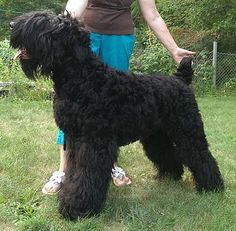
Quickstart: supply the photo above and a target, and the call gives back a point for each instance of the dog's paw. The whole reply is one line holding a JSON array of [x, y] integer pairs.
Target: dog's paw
[[73, 213]]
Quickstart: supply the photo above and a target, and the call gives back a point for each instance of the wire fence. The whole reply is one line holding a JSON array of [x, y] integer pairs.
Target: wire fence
[[214, 68]]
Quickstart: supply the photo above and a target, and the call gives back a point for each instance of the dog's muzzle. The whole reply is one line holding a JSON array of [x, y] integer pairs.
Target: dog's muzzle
[[21, 54]]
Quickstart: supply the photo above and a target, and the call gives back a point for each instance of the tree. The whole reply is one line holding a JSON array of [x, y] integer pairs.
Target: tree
[[10, 9], [191, 21], [199, 22]]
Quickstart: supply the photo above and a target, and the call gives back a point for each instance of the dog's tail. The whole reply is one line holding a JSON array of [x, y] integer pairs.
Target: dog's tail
[[185, 71]]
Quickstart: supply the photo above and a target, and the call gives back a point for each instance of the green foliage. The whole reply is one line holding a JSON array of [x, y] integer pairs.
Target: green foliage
[[10, 9], [204, 21], [152, 60], [218, 17], [26, 90], [150, 56], [229, 87], [203, 72], [19, 86], [6, 52]]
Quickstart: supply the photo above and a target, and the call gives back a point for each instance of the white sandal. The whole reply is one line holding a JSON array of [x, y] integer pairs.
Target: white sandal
[[119, 178], [54, 183]]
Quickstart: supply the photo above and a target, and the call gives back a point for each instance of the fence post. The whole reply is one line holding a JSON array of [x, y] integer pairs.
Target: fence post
[[214, 63]]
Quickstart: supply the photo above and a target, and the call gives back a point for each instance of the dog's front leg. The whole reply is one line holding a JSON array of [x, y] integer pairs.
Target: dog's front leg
[[87, 178]]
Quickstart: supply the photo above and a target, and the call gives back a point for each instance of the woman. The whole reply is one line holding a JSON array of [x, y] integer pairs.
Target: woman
[[112, 37]]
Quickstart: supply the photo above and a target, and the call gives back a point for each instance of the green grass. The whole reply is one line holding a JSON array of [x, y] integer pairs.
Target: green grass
[[29, 155]]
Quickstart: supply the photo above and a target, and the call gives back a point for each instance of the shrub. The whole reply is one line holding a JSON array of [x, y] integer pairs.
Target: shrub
[[152, 60], [19, 86], [150, 56]]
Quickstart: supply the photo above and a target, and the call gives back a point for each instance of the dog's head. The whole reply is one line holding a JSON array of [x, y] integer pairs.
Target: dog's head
[[46, 41]]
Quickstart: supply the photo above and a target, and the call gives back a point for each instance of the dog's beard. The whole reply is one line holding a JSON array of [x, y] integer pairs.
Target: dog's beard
[[29, 66]]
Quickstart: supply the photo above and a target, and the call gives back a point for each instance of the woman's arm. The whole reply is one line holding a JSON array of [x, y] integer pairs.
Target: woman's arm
[[158, 26], [76, 7]]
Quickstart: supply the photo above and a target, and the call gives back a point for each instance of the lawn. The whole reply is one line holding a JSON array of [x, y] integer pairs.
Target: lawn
[[29, 155]]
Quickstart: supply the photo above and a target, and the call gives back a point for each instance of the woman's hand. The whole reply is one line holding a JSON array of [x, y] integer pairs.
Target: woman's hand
[[178, 54]]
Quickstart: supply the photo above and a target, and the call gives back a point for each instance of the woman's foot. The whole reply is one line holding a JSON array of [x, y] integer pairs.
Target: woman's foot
[[54, 183], [119, 178]]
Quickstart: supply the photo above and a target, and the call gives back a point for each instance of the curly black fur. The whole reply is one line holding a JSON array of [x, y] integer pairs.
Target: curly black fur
[[100, 109]]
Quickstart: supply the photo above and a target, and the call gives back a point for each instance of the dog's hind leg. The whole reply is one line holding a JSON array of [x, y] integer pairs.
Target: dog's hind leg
[[194, 152], [162, 152], [87, 178]]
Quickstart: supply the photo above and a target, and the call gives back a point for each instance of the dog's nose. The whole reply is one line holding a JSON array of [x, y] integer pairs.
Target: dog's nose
[[12, 24]]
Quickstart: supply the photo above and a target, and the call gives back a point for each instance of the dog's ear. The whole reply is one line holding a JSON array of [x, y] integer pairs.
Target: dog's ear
[[65, 37], [49, 52], [81, 53], [81, 44]]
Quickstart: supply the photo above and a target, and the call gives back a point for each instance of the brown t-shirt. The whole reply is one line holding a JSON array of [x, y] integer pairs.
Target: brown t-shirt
[[109, 17]]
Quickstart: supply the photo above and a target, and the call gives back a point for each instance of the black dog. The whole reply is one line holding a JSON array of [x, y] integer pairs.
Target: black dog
[[100, 109]]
